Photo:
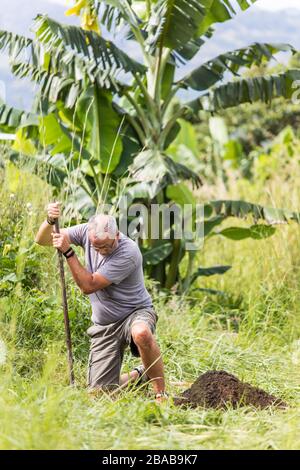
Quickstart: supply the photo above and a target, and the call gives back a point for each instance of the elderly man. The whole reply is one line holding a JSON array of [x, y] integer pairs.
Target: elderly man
[[122, 310]]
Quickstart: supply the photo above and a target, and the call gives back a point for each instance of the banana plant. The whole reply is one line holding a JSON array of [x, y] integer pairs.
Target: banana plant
[[101, 116], [262, 222]]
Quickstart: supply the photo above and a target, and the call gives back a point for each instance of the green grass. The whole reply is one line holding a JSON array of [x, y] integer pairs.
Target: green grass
[[253, 332]]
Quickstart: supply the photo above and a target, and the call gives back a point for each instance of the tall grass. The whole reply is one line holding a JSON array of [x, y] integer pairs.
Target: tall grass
[[252, 331]]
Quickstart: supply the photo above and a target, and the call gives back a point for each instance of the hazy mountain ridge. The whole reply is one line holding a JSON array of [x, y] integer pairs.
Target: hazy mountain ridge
[[251, 26]]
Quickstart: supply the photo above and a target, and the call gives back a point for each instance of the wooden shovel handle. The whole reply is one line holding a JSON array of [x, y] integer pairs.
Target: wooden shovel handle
[[65, 309]]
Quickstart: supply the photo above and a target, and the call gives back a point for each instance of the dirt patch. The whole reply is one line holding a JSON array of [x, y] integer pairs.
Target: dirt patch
[[219, 389]]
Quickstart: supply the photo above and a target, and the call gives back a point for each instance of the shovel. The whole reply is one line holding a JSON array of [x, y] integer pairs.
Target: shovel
[[65, 309]]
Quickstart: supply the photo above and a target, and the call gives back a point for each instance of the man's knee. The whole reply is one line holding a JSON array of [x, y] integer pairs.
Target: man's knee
[[142, 335], [104, 368]]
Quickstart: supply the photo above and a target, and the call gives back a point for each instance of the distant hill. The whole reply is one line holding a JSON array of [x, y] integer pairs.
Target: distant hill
[[248, 27], [17, 16]]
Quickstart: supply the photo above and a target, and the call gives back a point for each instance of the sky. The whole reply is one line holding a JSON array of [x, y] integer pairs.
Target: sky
[[265, 4], [276, 4], [248, 27]]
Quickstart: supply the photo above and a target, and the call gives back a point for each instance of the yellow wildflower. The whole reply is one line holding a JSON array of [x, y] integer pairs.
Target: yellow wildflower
[[90, 22], [6, 249], [76, 9]]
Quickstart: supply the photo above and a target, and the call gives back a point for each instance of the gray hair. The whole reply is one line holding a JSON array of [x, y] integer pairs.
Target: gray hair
[[103, 224]]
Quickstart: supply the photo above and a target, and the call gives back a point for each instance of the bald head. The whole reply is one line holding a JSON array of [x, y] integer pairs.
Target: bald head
[[103, 233], [103, 225]]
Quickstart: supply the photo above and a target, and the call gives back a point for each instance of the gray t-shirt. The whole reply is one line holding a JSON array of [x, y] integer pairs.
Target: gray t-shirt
[[123, 267]]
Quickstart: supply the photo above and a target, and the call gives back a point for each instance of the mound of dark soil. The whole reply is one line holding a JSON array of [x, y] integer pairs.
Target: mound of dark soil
[[218, 389]]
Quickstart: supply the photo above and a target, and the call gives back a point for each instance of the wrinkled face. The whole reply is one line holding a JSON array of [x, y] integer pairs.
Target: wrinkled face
[[104, 245]]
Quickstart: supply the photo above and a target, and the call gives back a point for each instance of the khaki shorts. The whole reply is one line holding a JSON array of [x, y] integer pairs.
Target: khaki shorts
[[108, 343]]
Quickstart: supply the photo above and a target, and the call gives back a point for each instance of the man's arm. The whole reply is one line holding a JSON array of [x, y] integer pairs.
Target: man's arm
[[43, 237], [86, 281], [44, 234]]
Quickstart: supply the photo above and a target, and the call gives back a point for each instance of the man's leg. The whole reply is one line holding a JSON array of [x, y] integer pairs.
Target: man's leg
[[150, 354], [131, 377], [105, 358]]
